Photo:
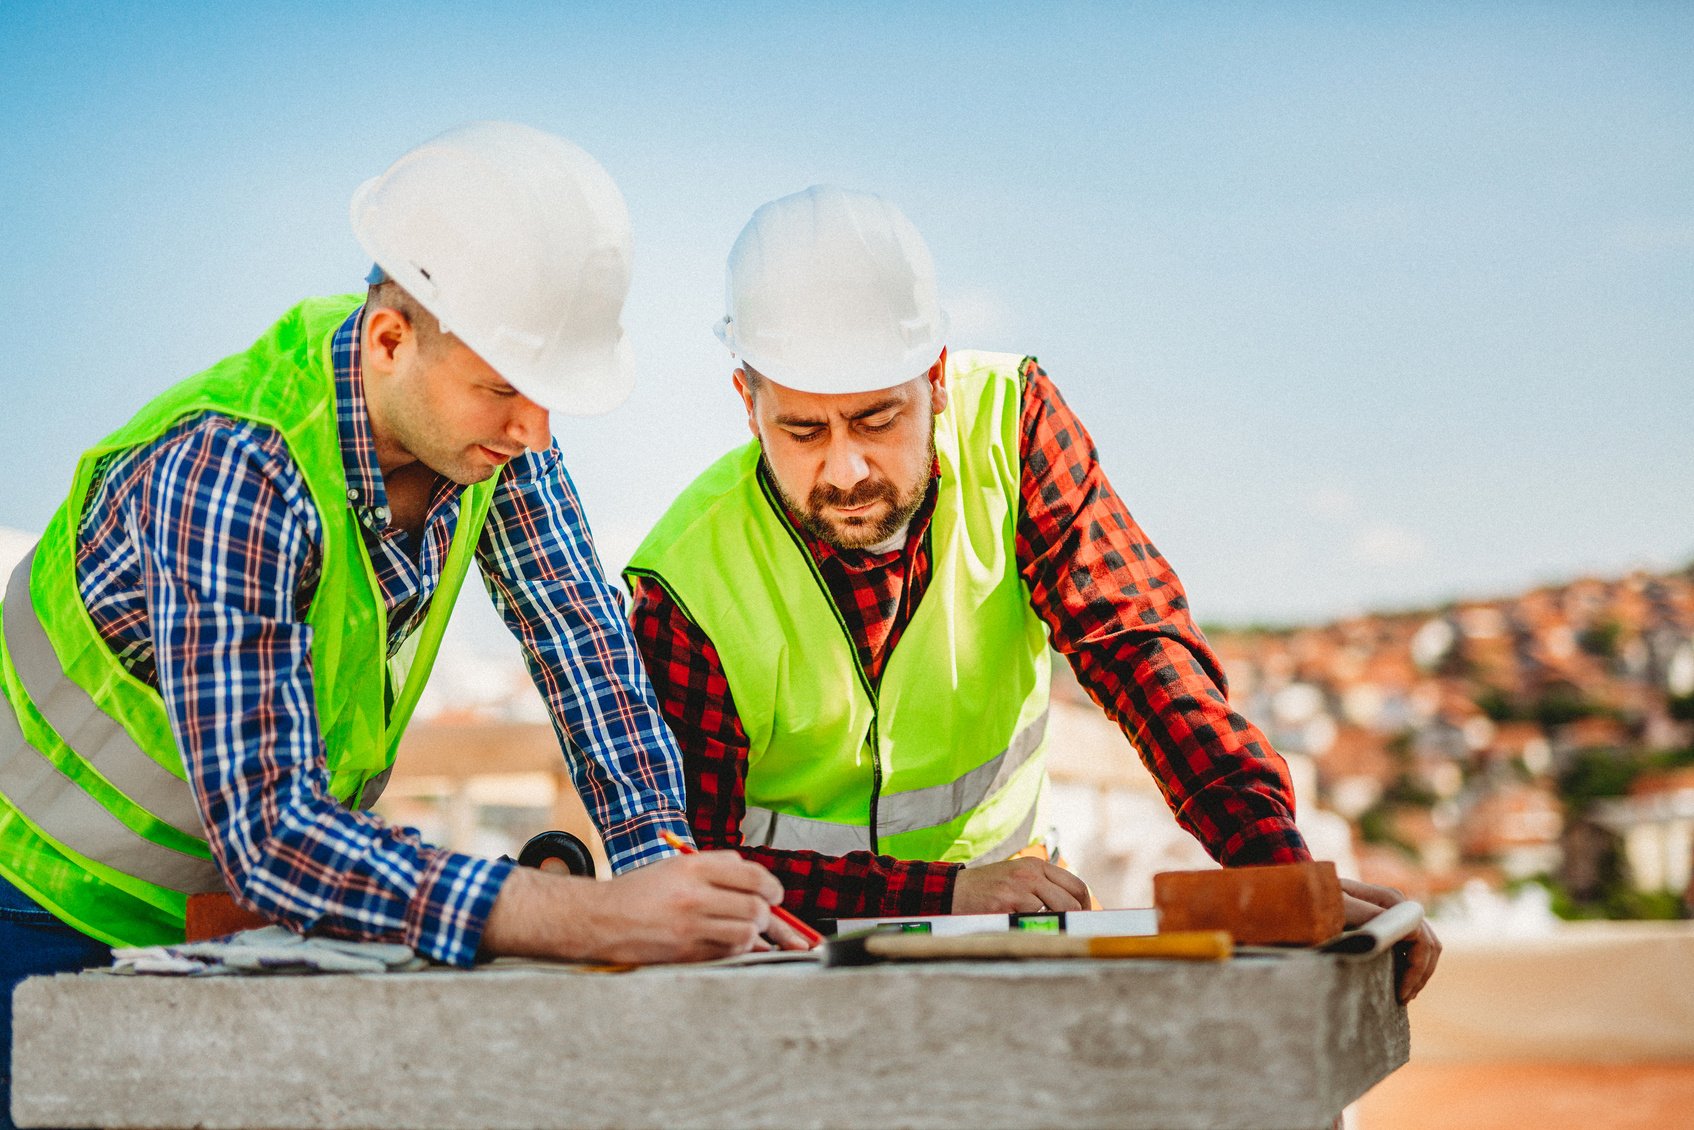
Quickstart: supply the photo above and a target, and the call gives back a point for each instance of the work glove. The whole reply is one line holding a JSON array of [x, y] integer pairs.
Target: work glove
[[269, 950]]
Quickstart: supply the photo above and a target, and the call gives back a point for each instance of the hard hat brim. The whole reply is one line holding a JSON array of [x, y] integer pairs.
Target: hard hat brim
[[848, 376], [582, 382]]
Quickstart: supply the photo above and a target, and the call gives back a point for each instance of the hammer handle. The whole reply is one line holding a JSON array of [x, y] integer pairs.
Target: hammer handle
[[1190, 945]]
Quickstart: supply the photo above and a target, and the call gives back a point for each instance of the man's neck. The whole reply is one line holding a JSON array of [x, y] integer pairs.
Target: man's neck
[[893, 541]]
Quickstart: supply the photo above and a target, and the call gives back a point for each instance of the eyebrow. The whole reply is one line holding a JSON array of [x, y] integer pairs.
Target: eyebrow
[[880, 406]]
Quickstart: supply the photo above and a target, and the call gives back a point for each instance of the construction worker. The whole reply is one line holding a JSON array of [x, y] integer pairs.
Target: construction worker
[[210, 655], [847, 619]]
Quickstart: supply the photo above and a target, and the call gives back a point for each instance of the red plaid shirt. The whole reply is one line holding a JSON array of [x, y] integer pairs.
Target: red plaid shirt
[[1115, 610]]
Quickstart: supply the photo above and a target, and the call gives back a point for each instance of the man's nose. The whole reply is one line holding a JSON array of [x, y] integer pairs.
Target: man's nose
[[844, 464], [530, 425]]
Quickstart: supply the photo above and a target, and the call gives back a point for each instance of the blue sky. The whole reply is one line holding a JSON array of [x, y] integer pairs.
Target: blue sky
[[1364, 308]]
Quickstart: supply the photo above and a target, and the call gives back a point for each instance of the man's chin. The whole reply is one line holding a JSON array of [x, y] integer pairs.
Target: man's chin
[[466, 473], [852, 533]]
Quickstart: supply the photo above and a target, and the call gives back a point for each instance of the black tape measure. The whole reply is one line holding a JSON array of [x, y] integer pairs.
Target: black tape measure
[[558, 845]]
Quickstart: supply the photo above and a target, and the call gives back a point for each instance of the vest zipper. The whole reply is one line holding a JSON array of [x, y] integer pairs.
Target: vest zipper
[[852, 648]]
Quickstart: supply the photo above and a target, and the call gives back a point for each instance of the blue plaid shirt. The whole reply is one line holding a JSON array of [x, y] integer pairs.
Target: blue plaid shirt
[[197, 560]]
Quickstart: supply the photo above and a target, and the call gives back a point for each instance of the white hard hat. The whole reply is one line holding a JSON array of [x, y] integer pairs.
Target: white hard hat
[[832, 291], [518, 242]]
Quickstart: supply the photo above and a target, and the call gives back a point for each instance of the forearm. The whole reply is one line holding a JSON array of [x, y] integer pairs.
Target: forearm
[[541, 915], [539, 564], [291, 851], [1223, 781], [320, 867], [1118, 612], [856, 885]]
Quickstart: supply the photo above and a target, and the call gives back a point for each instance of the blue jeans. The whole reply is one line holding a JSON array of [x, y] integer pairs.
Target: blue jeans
[[32, 941]]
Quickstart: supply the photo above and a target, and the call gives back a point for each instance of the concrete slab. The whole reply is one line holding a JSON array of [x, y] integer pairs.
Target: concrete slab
[[1145, 1044]]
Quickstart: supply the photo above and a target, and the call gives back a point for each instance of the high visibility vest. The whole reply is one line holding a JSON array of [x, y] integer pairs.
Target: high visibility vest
[[945, 758], [97, 819]]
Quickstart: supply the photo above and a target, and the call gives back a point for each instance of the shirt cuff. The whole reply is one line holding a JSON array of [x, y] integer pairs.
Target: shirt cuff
[[636, 842], [923, 888], [454, 900], [1270, 840]]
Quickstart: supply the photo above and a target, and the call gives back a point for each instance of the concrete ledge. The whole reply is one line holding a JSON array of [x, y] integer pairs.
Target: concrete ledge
[[1251, 1043]]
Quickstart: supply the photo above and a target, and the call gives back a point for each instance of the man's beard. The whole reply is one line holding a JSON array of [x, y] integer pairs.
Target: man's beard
[[859, 533]]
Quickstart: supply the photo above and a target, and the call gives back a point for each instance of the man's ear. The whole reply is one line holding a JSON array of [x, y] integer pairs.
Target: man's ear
[[746, 394], [938, 383], [386, 332]]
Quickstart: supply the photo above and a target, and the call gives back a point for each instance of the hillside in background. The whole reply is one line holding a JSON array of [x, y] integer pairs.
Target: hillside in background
[[1547, 736]]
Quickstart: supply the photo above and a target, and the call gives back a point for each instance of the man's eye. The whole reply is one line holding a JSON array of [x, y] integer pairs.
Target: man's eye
[[805, 437], [882, 427], [502, 392]]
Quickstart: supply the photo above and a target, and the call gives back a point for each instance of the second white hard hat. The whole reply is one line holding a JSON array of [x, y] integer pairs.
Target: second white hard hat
[[519, 243], [832, 291]]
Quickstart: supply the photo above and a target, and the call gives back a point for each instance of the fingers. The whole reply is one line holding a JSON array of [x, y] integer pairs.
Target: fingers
[[685, 908], [722, 937], [785, 936], [1381, 897], [1024, 886], [738, 907], [727, 869], [1364, 901], [1357, 911], [1073, 888], [1057, 898], [1420, 963], [1053, 887]]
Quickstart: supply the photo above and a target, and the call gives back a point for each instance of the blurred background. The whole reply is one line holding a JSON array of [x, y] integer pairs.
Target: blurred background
[[1379, 319]]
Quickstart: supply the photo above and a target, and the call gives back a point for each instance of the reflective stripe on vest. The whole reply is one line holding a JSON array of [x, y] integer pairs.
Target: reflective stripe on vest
[[58, 805], [902, 812], [937, 804], [760, 827], [91, 733], [52, 801]]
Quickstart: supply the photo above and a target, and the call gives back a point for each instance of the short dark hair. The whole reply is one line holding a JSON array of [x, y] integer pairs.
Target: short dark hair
[[752, 379], [397, 298]]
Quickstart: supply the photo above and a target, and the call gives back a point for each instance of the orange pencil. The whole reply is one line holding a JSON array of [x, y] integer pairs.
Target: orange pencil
[[804, 930]]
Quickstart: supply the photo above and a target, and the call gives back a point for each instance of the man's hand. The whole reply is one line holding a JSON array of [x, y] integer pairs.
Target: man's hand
[[1362, 902], [1024, 885], [689, 908]]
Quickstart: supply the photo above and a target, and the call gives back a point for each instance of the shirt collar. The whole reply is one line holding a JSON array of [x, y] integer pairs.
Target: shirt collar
[[365, 491]]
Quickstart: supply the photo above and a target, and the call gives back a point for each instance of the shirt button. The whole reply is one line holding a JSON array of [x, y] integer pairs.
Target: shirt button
[[382, 513], [352, 494]]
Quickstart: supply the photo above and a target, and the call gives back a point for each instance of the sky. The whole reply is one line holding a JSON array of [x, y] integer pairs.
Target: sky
[[1366, 307]]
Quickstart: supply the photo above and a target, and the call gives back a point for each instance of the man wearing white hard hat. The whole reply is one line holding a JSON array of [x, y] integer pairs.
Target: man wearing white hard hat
[[847, 619], [211, 653]]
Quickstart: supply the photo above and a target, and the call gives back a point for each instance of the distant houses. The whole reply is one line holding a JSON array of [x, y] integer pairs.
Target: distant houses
[[1538, 736]]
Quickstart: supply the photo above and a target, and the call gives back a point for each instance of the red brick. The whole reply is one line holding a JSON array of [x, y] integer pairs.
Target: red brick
[[1282, 904], [213, 915]]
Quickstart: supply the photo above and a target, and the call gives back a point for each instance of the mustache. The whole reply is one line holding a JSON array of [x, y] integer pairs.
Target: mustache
[[863, 494]]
